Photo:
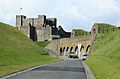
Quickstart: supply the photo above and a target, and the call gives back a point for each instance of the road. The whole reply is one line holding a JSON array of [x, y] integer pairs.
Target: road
[[69, 69]]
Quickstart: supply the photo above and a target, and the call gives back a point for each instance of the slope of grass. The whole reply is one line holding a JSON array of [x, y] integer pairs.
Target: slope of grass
[[104, 28], [105, 59], [17, 52], [42, 43], [80, 32]]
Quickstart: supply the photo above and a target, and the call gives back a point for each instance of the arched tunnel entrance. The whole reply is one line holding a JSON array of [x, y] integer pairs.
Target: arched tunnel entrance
[[82, 48], [79, 51], [76, 48], [71, 50], [61, 51], [88, 49], [74, 52], [67, 49]]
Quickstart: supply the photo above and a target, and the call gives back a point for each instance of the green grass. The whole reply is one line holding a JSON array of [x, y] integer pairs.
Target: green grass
[[42, 43], [80, 32], [17, 52], [104, 61], [104, 28]]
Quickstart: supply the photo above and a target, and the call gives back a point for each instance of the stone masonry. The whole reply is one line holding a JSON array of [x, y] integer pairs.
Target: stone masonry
[[41, 28]]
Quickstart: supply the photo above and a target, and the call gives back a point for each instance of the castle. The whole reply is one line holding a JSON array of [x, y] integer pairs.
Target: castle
[[41, 28]]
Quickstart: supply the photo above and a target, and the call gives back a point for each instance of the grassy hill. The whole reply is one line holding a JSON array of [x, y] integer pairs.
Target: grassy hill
[[103, 28], [42, 43], [104, 61], [80, 32], [17, 52]]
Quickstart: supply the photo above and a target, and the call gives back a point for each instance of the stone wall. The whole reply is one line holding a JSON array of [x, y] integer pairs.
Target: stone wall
[[55, 45], [43, 26]]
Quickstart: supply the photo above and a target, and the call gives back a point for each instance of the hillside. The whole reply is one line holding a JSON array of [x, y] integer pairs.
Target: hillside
[[42, 43], [103, 28], [104, 61], [80, 32], [18, 52]]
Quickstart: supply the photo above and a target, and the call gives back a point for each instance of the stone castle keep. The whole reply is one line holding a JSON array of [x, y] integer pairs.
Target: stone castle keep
[[41, 28]]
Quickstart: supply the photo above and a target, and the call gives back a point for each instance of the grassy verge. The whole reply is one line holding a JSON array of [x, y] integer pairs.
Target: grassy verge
[[105, 59], [17, 52]]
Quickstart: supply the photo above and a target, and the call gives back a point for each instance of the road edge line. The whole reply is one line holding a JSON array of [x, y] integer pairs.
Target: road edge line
[[88, 71], [26, 70]]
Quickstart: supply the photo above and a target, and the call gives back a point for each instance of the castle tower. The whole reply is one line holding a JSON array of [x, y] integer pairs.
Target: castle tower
[[42, 19], [40, 24], [19, 20], [38, 29]]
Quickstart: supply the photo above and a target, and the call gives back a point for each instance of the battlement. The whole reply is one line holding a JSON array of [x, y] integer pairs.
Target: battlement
[[51, 22], [38, 29]]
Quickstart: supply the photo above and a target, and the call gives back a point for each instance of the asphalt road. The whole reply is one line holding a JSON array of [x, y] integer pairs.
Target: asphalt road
[[69, 69]]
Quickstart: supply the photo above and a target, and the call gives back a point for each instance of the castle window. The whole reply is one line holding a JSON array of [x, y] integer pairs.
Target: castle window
[[94, 31]]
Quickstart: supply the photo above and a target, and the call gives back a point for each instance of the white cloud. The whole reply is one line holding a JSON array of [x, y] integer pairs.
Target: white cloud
[[70, 13], [7, 17], [85, 12]]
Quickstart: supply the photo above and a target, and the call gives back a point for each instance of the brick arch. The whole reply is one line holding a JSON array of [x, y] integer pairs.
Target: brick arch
[[82, 48], [76, 48], [67, 49], [63, 49], [71, 48], [88, 48]]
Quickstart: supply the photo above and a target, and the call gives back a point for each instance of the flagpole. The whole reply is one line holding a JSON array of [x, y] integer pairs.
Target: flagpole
[[21, 11]]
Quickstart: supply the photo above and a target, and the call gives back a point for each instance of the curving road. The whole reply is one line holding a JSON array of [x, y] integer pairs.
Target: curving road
[[69, 69]]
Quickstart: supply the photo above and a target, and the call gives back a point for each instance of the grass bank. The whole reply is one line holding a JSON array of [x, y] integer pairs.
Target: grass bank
[[105, 59], [80, 32], [17, 52], [42, 43]]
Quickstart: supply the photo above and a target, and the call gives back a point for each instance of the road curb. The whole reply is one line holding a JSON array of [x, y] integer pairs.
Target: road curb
[[88, 71], [26, 70]]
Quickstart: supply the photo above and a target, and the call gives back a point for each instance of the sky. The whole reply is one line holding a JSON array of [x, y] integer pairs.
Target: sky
[[70, 14]]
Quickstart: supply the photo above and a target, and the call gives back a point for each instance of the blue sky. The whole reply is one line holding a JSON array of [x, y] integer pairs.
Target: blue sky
[[70, 13]]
